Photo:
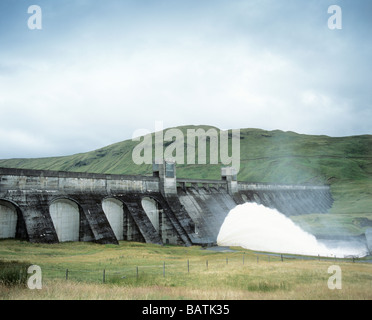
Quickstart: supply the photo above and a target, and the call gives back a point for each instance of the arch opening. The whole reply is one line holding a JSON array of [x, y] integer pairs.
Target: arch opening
[[151, 208], [161, 222], [65, 215], [8, 220], [114, 211], [121, 221], [244, 197]]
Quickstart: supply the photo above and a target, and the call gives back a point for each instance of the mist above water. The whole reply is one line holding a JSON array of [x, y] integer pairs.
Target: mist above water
[[257, 227]]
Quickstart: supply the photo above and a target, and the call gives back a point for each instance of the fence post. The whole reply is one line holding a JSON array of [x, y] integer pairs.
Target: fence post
[[206, 263], [66, 274], [137, 272], [281, 257], [104, 276]]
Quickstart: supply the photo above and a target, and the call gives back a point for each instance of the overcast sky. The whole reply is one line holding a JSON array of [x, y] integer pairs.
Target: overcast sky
[[100, 70]]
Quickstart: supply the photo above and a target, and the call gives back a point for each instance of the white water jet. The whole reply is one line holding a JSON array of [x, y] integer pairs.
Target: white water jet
[[260, 228]]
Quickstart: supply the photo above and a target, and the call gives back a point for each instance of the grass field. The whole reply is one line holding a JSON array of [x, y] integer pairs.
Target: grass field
[[145, 271]]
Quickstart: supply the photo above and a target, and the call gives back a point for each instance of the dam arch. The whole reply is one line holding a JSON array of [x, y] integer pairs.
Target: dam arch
[[161, 219], [114, 211], [8, 220], [65, 214], [121, 220], [152, 210], [245, 198]]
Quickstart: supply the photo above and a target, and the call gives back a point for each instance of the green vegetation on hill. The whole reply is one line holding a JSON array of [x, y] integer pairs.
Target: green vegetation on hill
[[345, 163]]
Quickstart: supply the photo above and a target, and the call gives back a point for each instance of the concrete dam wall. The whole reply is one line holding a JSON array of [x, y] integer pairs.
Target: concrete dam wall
[[207, 208], [51, 207]]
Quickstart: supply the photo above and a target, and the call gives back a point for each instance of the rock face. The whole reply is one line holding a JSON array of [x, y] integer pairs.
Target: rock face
[[54, 206]]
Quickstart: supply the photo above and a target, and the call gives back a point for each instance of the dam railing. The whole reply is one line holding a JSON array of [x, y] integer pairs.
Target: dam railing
[[197, 183]]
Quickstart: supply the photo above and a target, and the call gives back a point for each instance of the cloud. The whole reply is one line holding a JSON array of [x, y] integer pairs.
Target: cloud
[[93, 77]]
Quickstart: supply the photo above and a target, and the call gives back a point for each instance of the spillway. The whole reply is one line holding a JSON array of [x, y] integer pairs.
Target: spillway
[[208, 209]]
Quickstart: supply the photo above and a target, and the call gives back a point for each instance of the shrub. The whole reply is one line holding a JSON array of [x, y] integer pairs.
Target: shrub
[[13, 272]]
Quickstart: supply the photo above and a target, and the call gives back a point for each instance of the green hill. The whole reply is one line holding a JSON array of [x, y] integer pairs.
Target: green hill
[[266, 156]]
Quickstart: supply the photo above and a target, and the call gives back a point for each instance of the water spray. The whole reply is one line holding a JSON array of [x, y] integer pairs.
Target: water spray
[[256, 227]]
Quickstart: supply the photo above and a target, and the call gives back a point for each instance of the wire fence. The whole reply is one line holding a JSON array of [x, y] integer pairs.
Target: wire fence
[[166, 268], [162, 269]]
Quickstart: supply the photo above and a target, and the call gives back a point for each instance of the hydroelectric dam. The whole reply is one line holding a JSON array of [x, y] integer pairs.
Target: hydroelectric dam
[[54, 206]]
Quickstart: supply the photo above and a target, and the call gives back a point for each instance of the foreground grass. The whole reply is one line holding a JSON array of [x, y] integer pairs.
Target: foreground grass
[[189, 273]]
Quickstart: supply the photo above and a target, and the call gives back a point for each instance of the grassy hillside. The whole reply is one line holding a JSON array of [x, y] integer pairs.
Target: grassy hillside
[[266, 156]]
